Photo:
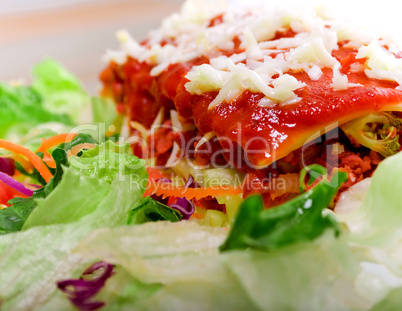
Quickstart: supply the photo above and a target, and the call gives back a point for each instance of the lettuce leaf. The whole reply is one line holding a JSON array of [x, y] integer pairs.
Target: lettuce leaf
[[56, 100], [182, 259], [393, 301], [54, 210], [122, 289], [104, 110], [375, 231], [13, 218], [300, 219], [108, 160], [320, 275], [104, 167], [377, 222], [152, 210], [62, 92], [23, 108]]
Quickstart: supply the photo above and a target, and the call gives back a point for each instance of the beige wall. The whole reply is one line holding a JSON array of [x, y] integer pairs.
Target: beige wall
[[77, 33]]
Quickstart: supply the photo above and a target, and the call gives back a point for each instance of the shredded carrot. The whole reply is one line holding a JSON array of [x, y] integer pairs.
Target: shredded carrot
[[47, 158], [31, 156], [154, 173], [51, 142], [168, 190], [197, 216], [56, 140], [77, 148]]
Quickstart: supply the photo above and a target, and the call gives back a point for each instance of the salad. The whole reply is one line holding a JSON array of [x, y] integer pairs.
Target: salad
[[87, 224]]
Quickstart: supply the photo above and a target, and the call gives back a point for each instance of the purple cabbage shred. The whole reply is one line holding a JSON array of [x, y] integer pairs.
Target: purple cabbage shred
[[185, 207], [190, 183], [81, 291], [160, 198]]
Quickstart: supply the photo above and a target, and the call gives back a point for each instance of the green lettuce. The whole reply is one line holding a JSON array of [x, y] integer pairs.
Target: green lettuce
[[106, 164], [104, 111], [152, 210], [375, 231], [121, 290], [56, 100], [320, 275], [61, 91], [108, 160], [22, 109], [300, 219], [183, 260], [392, 302], [378, 221], [180, 258]]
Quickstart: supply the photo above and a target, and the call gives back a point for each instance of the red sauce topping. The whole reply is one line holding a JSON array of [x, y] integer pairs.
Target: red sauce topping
[[265, 134]]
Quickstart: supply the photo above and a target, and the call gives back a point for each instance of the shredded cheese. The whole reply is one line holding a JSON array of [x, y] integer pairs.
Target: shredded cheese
[[381, 63], [340, 81], [207, 137], [262, 63], [314, 72], [177, 127]]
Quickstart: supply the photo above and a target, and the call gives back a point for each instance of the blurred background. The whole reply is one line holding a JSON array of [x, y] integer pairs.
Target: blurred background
[[75, 32], [78, 32]]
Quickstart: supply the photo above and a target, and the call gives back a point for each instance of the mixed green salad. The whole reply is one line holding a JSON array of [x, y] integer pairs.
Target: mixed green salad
[[78, 232]]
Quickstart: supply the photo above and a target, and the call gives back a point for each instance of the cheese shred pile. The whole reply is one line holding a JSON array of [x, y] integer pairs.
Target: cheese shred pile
[[245, 52]]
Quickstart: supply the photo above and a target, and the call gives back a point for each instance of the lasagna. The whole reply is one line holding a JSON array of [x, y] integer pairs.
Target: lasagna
[[262, 92]]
